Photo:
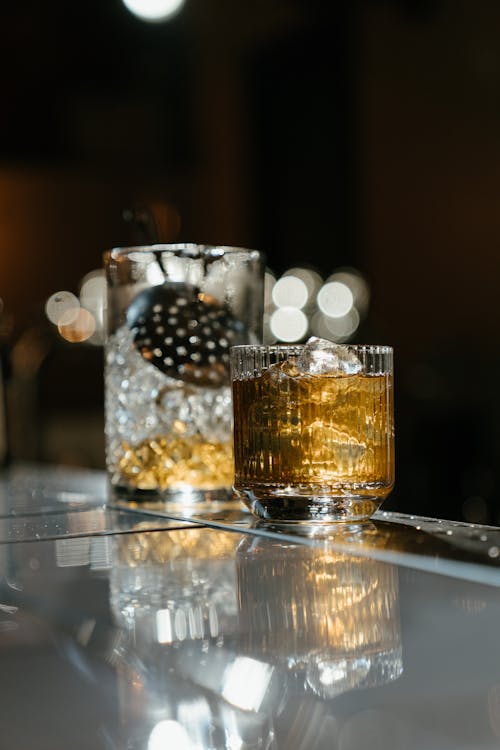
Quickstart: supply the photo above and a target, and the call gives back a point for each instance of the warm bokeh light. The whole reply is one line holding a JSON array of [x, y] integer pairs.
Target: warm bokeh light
[[295, 304], [81, 319], [62, 306], [290, 291], [288, 324], [78, 329], [92, 298], [154, 10], [335, 299]]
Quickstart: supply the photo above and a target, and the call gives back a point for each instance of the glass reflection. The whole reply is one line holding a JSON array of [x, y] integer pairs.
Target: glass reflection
[[163, 589], [237, 641], [329, 618], [173, 595]]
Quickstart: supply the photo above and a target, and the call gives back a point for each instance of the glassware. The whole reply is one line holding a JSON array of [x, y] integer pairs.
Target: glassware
[[173, 312], [313, 430]]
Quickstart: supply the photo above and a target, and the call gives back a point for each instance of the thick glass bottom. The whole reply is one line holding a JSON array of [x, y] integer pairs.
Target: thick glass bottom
[[176, 498], [298, 506], [329, 675]]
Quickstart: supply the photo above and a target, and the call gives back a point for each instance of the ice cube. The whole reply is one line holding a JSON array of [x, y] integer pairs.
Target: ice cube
[[320, 357], [281, 370]]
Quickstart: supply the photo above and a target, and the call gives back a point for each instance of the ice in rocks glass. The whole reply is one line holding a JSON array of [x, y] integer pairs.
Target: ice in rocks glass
[[313, 430], [174, 310]]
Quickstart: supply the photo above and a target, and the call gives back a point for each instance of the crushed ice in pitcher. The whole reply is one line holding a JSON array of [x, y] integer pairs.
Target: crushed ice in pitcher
[[186, 439], [322, 357]]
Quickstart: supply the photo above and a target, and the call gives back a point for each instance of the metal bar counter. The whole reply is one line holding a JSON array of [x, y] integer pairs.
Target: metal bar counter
[[159, 628]]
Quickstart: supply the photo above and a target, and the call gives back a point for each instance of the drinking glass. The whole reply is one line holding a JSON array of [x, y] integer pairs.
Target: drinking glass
[[313, 430], [173, 312]]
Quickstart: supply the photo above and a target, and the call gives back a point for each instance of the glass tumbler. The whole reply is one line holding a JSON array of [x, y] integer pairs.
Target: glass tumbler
[[173, 312], [313, 430]]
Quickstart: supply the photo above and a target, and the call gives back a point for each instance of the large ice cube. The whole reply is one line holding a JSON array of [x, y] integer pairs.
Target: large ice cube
[[320, 357]]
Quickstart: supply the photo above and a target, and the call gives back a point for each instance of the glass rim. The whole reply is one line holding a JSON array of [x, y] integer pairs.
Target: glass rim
[[292, 348], [193, 249]]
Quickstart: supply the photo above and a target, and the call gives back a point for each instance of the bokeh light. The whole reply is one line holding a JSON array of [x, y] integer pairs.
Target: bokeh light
[[79, 329], [93, 290], [331, 309], [358, 285], [62, 305], [154, 10], [80, 319], [290, 291], [336, 329], [335, 299], [312, 279], [288, 324], [297, 304], [93, 299], [268, 336]]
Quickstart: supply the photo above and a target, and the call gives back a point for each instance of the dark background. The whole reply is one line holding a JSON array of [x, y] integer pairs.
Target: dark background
[[350, 133]]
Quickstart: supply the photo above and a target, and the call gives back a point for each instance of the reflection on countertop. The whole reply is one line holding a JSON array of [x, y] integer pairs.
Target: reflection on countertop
[[143, 632], [239, 640], [211, 652], [331, 619]]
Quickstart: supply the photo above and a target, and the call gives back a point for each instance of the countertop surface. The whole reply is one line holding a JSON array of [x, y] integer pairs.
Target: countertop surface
[[164, 628]]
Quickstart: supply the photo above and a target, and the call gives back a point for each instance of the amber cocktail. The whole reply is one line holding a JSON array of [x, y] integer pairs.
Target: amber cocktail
[[313, 430]]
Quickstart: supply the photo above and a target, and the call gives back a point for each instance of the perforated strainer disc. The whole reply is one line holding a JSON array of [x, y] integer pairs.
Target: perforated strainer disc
[[184, 333]]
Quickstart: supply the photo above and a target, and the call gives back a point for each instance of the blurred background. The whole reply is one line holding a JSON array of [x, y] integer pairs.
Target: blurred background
[[356, 143]]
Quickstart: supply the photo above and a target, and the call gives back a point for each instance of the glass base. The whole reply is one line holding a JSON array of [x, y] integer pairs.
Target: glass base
[[185, 497], [293, 507], [332, 674]]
